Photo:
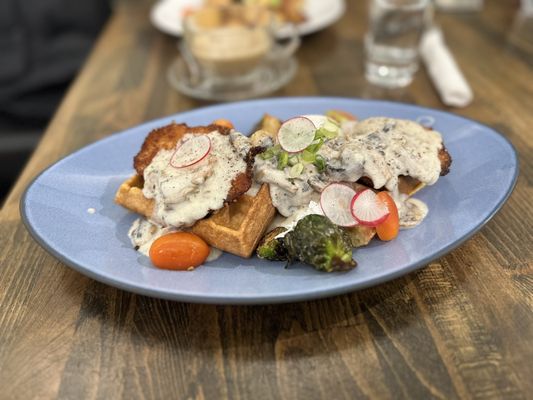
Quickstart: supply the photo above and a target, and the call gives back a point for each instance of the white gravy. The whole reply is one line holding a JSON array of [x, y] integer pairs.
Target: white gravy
[[144, 232], [379, 148], [184, 195]]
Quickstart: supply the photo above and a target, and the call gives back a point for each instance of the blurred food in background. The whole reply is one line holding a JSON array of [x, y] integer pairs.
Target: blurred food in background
[[285, 10], [308, 16]]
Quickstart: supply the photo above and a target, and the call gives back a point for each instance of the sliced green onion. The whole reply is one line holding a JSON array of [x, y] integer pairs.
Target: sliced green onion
[[308, 156], [270, 152], [314, 147], [266, 155], [293, 160], [320, 163], [325, 133], [296, 170], [330, 126], [283, 160]]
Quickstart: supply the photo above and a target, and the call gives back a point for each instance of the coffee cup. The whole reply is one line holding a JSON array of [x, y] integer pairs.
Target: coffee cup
[[228, 45]]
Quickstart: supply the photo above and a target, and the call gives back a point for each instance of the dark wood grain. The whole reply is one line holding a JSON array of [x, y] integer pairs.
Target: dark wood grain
[[459, 328]]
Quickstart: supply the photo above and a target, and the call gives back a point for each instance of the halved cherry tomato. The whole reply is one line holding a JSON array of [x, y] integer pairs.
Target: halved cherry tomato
[[179, 251], [389, 228], [224, 122]]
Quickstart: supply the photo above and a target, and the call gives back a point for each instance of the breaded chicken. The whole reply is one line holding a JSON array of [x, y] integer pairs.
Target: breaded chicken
[[445, 161], [410, 183], [168, 136]]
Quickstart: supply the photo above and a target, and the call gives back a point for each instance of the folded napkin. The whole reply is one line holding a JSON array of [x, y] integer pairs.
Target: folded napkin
[[526, 8], [443, 70], [459, 5]]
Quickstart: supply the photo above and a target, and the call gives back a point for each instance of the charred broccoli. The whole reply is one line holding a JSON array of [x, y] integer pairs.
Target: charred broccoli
[[315, 240], [271, 248]]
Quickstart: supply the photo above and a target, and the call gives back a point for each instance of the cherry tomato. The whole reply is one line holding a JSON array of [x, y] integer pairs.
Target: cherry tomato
[[179, 251], [389, 228], [224, 122]]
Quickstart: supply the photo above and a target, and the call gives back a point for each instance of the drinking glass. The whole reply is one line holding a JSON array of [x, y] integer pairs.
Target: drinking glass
[[391, 43]]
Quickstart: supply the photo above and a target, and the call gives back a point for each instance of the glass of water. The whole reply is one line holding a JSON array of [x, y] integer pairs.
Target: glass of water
[[391, 43]]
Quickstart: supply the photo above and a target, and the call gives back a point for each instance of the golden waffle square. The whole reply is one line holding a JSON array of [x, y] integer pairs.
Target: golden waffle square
[[130, 196], [238, 227], [235, 228]]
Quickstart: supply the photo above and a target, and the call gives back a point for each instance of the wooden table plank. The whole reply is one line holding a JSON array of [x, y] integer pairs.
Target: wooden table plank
[[459, 328]]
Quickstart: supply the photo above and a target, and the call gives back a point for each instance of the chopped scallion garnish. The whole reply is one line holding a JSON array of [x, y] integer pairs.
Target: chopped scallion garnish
[[308, 156], [320, 163], [296, 170], [283, 159]]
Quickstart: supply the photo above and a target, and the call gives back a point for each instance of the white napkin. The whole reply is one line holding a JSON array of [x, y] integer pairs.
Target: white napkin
[[459, 5], [443, 70], [526, 8]]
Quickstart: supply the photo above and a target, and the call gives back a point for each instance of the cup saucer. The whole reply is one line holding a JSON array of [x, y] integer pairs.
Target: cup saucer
[[270, 77]]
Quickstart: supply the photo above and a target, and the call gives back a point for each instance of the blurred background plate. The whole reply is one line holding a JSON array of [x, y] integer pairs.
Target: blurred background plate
[[69, 210], [166, 15]]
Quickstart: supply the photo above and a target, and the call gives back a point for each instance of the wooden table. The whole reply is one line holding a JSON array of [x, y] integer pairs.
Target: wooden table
[[459, 328]]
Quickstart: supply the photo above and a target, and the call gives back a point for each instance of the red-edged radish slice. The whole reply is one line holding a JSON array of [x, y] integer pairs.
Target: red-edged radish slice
[[367, 209], [191, 151], [296, 134], [336, 201]]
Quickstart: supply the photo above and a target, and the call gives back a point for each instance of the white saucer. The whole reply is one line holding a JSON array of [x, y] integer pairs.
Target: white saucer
[[270, 77]]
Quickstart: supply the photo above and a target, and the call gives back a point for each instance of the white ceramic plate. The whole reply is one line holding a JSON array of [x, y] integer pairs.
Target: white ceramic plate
[[166, 15]]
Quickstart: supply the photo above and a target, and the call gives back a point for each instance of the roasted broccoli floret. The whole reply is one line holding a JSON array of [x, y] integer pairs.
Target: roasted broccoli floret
[[315, 240], [271, 248]]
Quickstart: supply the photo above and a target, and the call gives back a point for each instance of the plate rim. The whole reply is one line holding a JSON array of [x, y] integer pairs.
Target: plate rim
[[258, 298]]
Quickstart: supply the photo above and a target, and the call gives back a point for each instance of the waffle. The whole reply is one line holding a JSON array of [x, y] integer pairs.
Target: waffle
[[236, 228], [130, 196], [409, 186]]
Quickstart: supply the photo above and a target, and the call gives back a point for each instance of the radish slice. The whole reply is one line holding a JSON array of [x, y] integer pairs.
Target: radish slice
[[296, 134], [191, 151], [336, 200], [367, 209]]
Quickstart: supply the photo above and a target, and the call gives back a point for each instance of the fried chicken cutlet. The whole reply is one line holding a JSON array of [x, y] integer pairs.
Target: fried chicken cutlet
[[168, 136], [409, 185], [238, 223]]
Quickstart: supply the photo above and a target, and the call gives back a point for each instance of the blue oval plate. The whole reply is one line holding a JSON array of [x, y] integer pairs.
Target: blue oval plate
[[69, 210]]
